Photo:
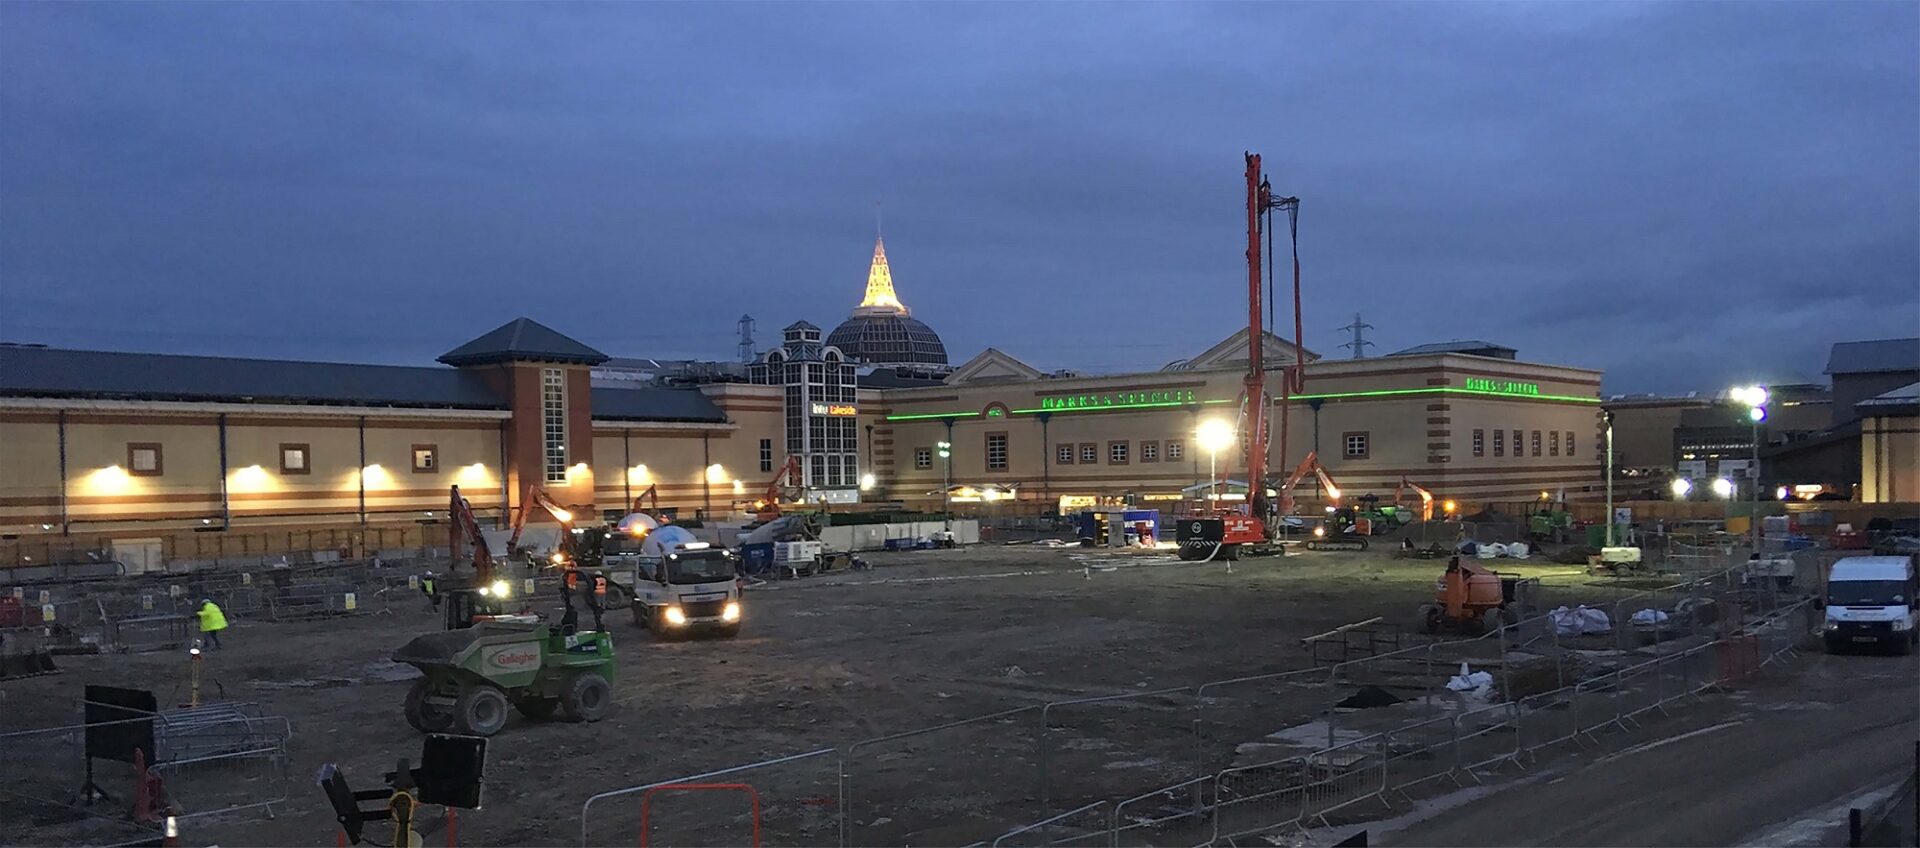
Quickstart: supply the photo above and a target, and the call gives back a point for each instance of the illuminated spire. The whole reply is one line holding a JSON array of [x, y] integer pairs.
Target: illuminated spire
[[880, 296]]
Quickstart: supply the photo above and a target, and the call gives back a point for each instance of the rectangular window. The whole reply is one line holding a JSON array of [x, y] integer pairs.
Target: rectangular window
[[1569, 443], [1480, 442], [766, 455], [1519, 443], [923, 458], [996, 451], [1357, 444], [1150, 451], [1536, 443], [1089, 453], [426, 459], [1176, 449], [553, 417], [1063, 454], [1553, 443], [1499, 443], [1116, 453], [143, 459], [296, 458]]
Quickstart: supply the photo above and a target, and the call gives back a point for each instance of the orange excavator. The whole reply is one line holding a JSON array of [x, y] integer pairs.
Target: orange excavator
[[785, 481], [1309, 465], [1426, 497], [486, 598]]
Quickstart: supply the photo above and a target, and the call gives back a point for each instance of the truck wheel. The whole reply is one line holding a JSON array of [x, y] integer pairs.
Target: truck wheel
[[535, 707], [588, 697], [480, 711], [617, 597], [425, 716], [1230, 552]]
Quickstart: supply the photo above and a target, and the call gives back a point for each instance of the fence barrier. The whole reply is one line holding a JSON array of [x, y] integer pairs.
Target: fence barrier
[[1249, 755]]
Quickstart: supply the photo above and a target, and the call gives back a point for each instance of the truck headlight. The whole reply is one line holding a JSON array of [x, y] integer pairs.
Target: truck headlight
[[676, 616], [1902, 624], [501, 588], [731, 612], [1833, 625]]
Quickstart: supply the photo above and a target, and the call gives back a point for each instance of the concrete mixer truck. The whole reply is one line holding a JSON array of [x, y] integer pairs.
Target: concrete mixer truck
[[681, 585]]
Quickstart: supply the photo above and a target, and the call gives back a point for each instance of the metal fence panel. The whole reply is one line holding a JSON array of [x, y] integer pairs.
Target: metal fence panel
[[793, 801]]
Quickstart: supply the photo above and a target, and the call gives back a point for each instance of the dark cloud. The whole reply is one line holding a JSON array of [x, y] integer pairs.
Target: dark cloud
[[1682, 194]]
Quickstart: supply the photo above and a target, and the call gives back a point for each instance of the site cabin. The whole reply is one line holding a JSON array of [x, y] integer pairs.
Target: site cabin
[[1870, 602]]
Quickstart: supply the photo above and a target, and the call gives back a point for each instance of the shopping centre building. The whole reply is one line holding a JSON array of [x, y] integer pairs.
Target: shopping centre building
[[122, 445]]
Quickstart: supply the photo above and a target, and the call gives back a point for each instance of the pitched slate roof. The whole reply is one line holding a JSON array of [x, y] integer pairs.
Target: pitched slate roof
[[685, 405], [55, 372], [1467, 346], [1877, 356], [522, 340]]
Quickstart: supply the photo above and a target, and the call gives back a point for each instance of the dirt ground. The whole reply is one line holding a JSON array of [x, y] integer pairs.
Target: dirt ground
[[923, 638]]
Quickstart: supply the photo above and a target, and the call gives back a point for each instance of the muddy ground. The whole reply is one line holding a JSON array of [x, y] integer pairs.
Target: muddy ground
[[922, 639]]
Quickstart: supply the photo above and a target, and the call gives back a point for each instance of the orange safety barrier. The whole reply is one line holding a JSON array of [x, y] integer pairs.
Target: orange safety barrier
[[646, 803]]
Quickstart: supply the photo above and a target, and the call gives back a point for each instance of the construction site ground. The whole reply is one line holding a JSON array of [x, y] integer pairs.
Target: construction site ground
[[924, 637]]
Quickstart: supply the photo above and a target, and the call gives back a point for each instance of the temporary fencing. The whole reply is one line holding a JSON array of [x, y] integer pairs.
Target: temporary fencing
[[786, 800], [1264, 752], [214, 759]]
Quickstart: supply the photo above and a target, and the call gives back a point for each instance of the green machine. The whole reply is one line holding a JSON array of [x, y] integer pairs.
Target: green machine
[[471, 676]]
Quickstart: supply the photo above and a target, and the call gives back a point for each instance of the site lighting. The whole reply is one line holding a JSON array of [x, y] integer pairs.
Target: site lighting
[[1682, 487], [1447, 508], [501, 589], [1755, 397], [563, 515], [1723, 487], [945, 449], [867, 482], [1214, 436], [1783, 493]]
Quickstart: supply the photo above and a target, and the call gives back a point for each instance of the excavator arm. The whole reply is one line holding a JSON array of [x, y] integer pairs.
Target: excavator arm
[[788, 477], [538, 497], [1309, 465], [1426, 497], [466, 527]]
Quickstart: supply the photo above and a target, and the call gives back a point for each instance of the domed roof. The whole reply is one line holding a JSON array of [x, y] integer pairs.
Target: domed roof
[[889, 339]]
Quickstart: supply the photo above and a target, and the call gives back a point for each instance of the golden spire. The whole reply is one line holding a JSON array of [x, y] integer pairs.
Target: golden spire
[[880, 296]]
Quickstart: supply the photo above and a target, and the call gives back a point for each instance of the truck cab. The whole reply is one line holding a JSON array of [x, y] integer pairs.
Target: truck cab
[[1870, 602], [683, 586]]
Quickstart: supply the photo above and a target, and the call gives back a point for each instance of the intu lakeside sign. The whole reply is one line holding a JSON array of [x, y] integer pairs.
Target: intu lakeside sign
[[837, 410], [1163, 397], [1501, 387]]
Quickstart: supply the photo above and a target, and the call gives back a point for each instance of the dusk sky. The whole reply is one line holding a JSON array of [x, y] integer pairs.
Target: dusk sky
[[1683, 194]]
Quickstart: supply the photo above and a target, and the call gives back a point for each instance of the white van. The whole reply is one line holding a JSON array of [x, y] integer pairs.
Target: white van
[[1870, 601]]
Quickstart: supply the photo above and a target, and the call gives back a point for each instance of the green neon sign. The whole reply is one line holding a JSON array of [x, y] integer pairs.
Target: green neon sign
[[1160, 397], [924, 416], [1124, 400], [1502, 387]]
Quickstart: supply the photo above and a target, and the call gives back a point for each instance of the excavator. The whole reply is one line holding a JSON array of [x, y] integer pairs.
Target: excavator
[[787, 484], [1426, 500], [487, 597], [566, 557], [1224, 531]]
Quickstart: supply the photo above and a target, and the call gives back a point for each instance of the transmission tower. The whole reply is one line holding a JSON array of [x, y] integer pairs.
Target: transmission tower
[[1359, 329], [746, 338]]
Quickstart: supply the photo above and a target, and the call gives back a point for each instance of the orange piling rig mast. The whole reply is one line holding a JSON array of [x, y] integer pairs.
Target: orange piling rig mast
[[1224, 531]]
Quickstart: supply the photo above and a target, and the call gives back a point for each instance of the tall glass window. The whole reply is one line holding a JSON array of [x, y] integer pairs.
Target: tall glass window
[[553, 414]]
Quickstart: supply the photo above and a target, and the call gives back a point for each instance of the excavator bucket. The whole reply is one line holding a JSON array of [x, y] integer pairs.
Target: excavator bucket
[[24, 656]]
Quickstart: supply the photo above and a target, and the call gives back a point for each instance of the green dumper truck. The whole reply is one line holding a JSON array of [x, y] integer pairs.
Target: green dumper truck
[[471, 676]]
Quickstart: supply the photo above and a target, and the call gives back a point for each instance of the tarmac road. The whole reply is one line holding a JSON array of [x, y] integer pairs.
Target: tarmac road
[[1776, 764]]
